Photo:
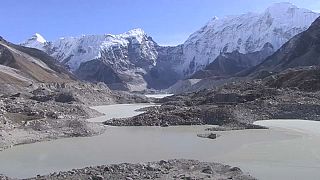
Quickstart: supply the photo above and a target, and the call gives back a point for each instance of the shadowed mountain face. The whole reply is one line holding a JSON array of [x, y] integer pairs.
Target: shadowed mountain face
[[134, 67], [100, 71], [21, 65], [302, 50], [229, 64]]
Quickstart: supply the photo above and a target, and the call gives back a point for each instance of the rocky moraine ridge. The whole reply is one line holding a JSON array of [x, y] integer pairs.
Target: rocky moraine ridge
[[49, 111], [237, 105], [162, 170]]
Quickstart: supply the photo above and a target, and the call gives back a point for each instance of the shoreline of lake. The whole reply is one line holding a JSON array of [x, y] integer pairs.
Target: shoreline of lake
[[254, 151]]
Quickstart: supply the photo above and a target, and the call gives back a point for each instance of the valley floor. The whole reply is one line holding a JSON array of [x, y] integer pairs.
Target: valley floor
[[233, 107], [172, 169], [263, 153], [43, 112]]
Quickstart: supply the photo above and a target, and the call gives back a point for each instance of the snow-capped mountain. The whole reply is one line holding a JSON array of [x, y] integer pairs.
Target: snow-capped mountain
[[122, 60], [133, 61], [302, 50], [75, 50], [246, 33], [36, 41]]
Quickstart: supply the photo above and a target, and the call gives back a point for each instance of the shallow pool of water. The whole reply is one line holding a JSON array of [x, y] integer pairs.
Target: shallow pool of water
[[158, 96], [118, 111]]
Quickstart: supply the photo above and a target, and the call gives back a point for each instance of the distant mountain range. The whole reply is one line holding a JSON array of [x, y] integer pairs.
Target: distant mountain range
[[223, 47], [129, 61]]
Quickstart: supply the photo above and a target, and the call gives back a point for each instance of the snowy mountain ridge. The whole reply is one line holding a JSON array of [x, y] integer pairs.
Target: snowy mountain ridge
[[36, 41], [134, 59], [245, 33], [73, 51]]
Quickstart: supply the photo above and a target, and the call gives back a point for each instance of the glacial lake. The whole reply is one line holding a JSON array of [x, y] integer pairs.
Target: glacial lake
[[158, 96], [286, 151]]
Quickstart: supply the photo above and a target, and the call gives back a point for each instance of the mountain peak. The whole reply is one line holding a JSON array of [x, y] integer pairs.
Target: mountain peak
[[137, 34], [36, 41], [39, 38], [136, 31]]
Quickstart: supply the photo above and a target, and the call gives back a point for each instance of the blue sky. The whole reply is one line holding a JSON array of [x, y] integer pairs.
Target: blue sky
[[169, 22]]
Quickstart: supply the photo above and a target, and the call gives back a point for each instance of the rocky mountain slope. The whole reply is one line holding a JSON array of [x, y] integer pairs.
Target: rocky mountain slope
[[302, 78], [229, 64], [21, 65]]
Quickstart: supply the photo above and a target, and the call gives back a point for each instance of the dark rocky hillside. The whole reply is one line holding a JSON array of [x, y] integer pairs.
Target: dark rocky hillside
[[229, 64], [304, 78]]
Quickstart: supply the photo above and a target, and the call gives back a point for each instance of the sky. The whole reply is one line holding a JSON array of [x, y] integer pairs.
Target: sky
[[168, 22]]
